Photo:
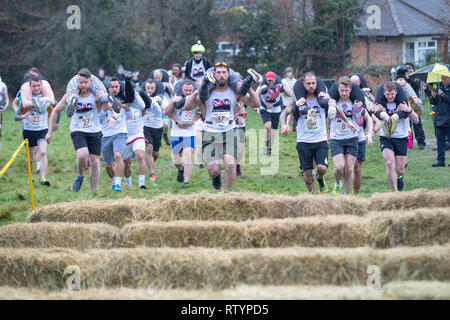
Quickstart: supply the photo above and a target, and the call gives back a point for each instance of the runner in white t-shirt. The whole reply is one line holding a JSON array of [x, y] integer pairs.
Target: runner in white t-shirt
[[85, 130], [135, 141], [183, 133], [4, 101], [394, 149], [35, 127], [220, 138]]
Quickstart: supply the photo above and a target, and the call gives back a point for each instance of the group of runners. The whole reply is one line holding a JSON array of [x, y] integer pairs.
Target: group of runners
[[120, 119]]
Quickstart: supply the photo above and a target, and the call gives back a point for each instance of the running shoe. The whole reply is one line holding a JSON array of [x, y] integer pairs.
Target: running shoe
[[115, 105], [142, 186], [393, 123], [238, 171], [180, 176], [217, 182], [332, 109], [310, 118], [387, 128], [45, 182], [210, 77], [71, 106], [400, 183], [322, 185], [337, 189], [255, 76], [152, 177], [200, 166], [127, 75], [117, 187], [77, 184], [186, 185]]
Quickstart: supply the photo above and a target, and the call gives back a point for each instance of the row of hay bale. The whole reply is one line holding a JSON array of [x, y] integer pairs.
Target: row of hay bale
[[198, 268], [418, 290], [383, 229], [234, 207]]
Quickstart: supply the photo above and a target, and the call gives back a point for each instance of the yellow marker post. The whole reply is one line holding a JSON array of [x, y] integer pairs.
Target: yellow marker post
[[6, 167], [30, 180]]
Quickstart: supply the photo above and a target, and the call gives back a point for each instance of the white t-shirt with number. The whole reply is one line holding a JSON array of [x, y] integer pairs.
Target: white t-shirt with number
[[183, 117], [402, 125], [318, 132], [220, 111], [36, 121], [153, 116], [85, 118], [339, 130]]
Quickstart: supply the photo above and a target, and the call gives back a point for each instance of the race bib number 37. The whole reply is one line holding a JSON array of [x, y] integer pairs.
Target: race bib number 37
[[221, 118]]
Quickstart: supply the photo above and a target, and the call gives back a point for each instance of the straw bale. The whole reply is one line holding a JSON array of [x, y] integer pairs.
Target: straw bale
[[327, 231], [412, 228], [420, 198], [394, 290], [65, 235], [198, 268]]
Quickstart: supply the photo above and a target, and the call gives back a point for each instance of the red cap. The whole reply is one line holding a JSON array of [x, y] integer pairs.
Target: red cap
[[271, 76]]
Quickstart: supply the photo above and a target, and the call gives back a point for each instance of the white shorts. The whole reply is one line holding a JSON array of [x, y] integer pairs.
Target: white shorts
[[134, 143]]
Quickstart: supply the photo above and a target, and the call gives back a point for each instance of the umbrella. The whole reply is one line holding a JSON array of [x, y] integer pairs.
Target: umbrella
[[432, 73]]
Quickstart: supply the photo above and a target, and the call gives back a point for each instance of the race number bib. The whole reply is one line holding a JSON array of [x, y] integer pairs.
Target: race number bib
[[316, 125], [342, 127], [147, 119], [37, 120], [134, 117], [85, 119], [187, 116], [221, 118]]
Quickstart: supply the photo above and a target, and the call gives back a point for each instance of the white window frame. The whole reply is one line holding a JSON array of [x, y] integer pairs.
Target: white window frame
[[416, 47]]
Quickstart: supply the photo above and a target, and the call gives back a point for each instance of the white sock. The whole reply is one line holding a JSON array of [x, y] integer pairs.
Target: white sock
[[118, 180], [141, 180], [38, 165], [113, 181], [128, 181], [337, 184]]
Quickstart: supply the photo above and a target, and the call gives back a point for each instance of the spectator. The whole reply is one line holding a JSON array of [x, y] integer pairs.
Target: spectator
[[441, 100]]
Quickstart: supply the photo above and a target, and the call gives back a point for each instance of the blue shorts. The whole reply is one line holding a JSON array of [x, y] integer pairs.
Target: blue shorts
[[112, 144], [180, 143], [165, 117]]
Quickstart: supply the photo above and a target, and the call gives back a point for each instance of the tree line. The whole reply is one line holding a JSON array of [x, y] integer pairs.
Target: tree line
[[147, 34]]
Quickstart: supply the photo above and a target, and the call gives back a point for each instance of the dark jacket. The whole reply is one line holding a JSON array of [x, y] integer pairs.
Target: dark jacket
[[442, 108], [187, 73]]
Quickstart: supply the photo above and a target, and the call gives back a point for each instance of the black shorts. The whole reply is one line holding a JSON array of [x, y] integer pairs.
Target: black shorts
[[361, 151], [216, 144], [92, 141], [34, 137], [241, 134], [307, 152], [398, 145], [344, 146], [153, 136], [274, 118]]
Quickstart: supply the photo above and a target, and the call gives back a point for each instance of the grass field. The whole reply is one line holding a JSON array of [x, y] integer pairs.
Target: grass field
[[14, 192]]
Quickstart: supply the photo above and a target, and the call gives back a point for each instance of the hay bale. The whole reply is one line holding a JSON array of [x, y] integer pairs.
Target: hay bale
[[198, 268], [64, 235], [114, 212], [36, 268], [413, 228], [417, 290], [328, 231], [420, 198], [202, 206]]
